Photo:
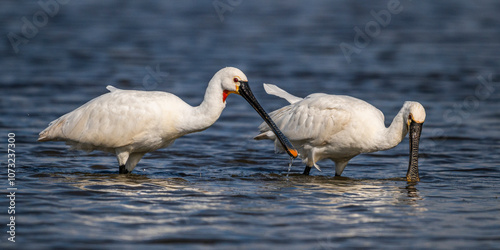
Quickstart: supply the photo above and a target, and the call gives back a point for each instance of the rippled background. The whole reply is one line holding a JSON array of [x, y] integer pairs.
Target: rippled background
[[221, 189]]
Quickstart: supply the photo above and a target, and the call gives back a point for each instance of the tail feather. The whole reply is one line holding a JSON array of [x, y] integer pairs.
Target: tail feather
[[43, 136], [111, 88], [267, 135], [275, 90], [52, 131]]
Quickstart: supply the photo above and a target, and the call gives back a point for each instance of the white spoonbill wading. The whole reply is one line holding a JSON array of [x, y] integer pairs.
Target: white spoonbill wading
[[130, 123], [338, 127]]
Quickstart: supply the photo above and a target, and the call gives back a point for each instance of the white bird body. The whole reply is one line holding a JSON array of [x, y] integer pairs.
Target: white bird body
[[131, 123], [121, 118], [336, 127]]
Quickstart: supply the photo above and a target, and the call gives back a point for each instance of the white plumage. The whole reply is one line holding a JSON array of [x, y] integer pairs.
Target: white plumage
[[130, 123], [337, 127]]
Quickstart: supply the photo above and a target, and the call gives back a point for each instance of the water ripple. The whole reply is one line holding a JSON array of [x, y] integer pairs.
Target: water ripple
[[221, 189]]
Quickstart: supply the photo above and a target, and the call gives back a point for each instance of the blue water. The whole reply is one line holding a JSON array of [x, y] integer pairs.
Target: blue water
[[219, 188]]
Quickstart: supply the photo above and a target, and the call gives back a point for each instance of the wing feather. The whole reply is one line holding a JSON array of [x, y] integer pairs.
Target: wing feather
[[275, 90], [314, 119], [115, 119]]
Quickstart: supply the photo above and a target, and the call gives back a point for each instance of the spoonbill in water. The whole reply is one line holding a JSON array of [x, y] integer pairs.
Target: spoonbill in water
[[130, 123], [341, 127]]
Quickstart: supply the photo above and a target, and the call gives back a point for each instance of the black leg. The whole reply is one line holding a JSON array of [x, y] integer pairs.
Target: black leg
[[307, 170], [123, 170]]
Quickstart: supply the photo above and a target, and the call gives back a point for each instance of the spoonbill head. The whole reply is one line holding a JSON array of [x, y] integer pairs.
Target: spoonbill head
[[131, 123], [338, 127], [234, 81], [415, 121]]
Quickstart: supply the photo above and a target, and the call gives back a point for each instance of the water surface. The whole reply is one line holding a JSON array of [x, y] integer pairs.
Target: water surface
[[220, 189]]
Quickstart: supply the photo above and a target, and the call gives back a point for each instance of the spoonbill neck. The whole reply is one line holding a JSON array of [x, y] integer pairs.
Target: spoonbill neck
[[203, 116], [395, 133]]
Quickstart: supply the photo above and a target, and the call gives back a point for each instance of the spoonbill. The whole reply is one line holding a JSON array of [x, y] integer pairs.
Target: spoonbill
[[131, 123], [339, 127]]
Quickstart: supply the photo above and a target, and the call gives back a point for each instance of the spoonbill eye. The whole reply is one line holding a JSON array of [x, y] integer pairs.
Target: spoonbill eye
[[236, 79]]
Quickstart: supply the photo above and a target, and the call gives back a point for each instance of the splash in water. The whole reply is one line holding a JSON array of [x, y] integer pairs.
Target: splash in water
[[289, 166]]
